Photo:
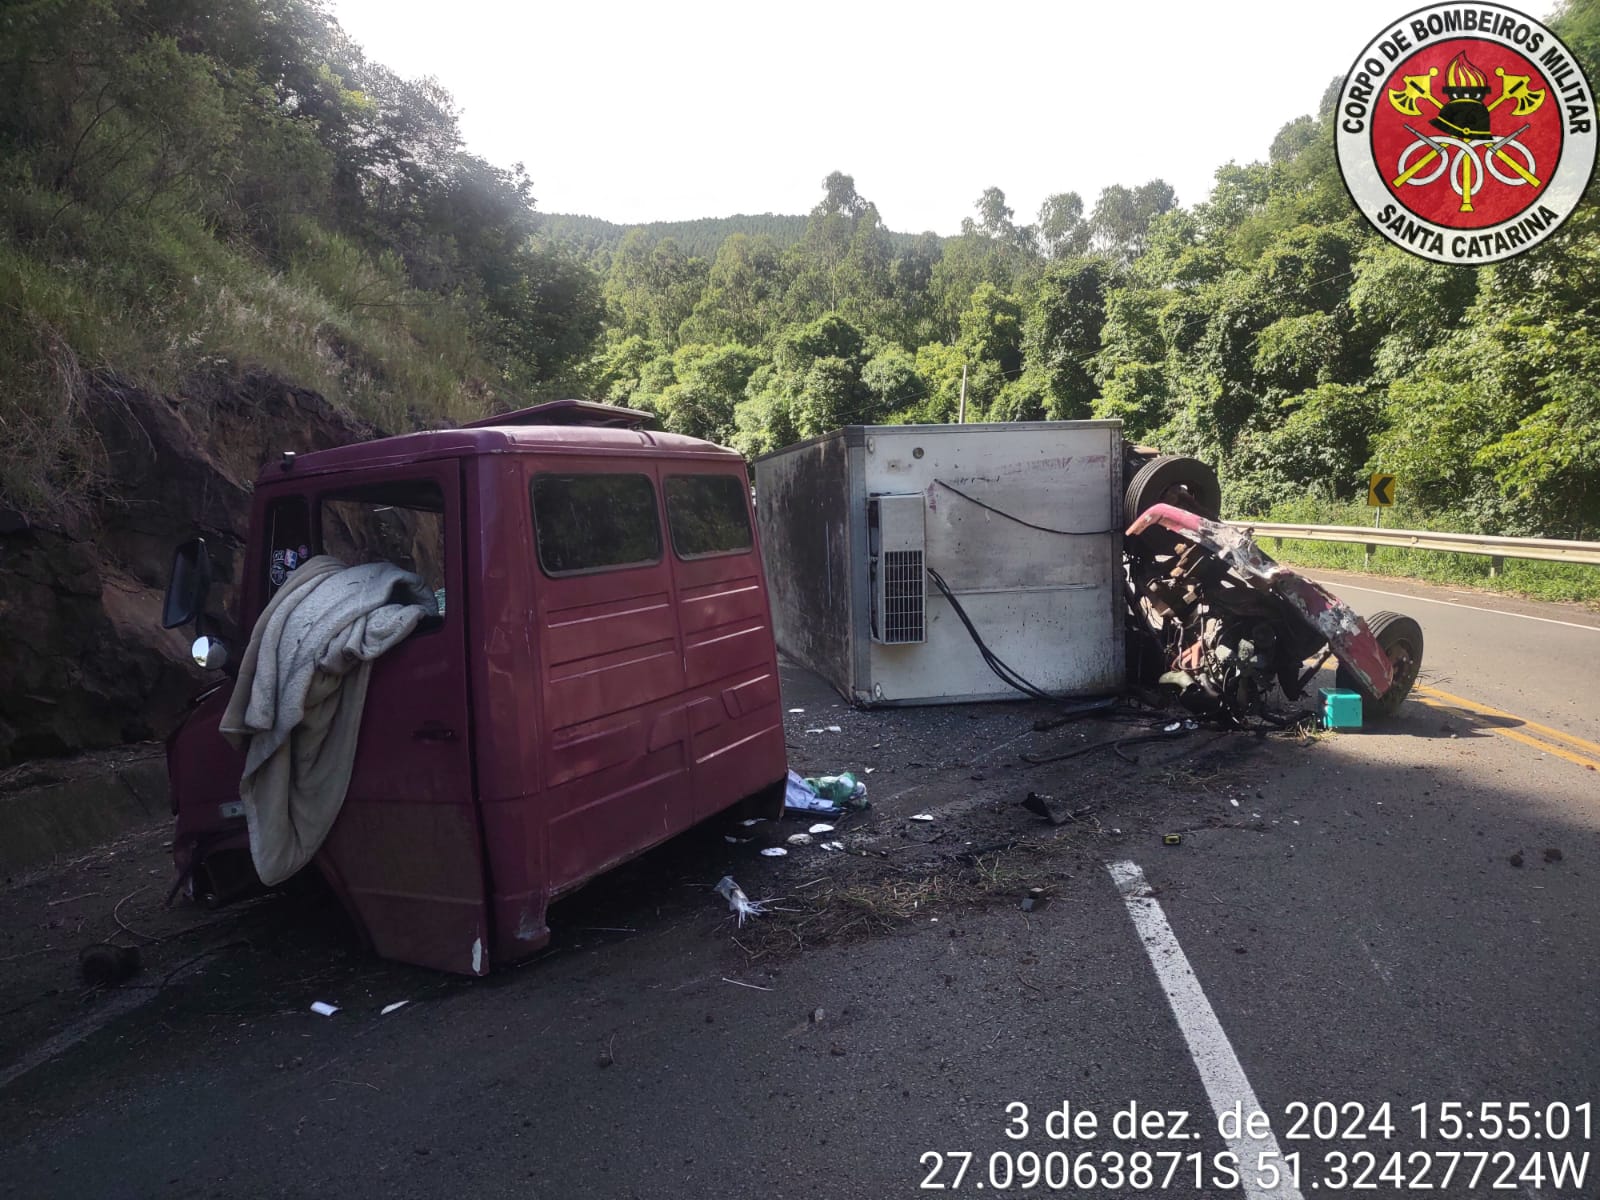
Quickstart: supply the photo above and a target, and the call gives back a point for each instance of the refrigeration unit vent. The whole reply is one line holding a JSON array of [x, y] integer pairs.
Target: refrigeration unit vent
[[899, 601], [903, 597]]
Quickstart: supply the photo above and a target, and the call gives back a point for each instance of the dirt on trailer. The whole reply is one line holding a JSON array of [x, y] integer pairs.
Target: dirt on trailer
[[1001, 804]]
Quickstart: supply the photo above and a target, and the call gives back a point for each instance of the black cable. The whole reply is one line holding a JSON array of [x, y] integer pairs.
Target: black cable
[[1007, 674], [1109, 744], [1000, 512]]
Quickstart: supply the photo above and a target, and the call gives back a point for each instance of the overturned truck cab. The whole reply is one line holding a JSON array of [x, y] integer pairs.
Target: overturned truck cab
[[599, 676]]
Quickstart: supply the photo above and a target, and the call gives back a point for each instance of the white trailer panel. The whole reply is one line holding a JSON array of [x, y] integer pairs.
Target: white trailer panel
[[1021, 521]]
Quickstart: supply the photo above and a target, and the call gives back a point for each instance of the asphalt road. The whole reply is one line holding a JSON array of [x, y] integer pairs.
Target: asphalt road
[[1532, 659], [1402, 916]]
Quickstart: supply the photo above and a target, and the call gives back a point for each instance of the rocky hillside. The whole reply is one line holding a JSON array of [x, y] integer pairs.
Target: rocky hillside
[[87, 663]]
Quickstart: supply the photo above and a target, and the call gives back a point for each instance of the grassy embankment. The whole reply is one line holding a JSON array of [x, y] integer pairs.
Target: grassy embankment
[[1538, 580], [158, 301]]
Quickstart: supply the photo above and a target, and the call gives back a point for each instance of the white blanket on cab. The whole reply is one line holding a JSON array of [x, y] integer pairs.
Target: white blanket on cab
[[296, 706]]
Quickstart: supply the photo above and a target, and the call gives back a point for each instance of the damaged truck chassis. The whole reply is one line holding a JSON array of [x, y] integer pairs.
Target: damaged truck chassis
[[1215, 617]]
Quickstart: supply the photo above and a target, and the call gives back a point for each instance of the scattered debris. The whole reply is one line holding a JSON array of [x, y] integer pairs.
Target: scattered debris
[[754, 987], [800, 795], [1172, 839], [1516, 859], [774, 852], [753, 821], [834, 729], [921, 816], [817, 1016], [1038, 805], [395, 1007], [820, 828], [106, 965], [1175, 729], [740, 905], [799, 839], [323, 1009], [843, 788], [1552, 854], [797, 710]]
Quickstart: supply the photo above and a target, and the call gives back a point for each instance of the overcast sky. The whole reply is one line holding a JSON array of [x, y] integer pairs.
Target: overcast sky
[[643, 112]]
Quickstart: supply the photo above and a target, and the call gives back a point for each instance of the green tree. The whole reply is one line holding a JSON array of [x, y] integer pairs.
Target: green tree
[[653, 286], [744, 290], [1121, 218], [1062, 331], [1062, 229], [708, 384]]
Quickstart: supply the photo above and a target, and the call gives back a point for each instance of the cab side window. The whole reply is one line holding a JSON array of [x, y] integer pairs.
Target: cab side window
[[595, 522], [399, 522]]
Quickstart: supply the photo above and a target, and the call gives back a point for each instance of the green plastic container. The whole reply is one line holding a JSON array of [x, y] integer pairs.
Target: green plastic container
[[1340, 710]]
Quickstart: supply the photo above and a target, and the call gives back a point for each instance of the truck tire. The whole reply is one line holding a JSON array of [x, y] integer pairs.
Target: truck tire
[[1172, 479], [1400, 638]]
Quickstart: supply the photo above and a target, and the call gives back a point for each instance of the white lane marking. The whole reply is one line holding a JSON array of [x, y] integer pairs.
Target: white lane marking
[[1499, 612], [115, 1006], [1220, 1072]]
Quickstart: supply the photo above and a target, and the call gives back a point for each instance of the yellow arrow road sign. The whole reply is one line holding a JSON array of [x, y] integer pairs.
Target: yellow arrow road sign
[[1380, 490]]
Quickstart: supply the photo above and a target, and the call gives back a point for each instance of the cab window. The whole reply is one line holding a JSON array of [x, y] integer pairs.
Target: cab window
[[398, 522]]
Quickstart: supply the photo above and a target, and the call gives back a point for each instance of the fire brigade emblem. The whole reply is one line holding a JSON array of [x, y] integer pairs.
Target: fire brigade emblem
[[1466, 133]]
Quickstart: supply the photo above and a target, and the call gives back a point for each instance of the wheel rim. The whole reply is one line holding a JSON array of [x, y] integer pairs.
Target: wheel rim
[[1403, 662]]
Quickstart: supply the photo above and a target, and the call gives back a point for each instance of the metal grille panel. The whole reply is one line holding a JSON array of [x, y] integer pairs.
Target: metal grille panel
[[904, 596]]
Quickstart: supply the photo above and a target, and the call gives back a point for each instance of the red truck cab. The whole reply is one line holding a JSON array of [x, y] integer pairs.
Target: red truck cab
[[601, 677]]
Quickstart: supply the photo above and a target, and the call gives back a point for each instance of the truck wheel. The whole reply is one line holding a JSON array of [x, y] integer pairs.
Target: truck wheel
[[1172, 479], [1401, 640]]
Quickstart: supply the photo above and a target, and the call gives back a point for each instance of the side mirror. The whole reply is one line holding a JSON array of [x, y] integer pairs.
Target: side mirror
[[209, 653], [188, 585]]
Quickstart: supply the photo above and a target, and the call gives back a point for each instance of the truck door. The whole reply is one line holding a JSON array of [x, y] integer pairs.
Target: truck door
[[731, 671], [406, 854], [611, 656]]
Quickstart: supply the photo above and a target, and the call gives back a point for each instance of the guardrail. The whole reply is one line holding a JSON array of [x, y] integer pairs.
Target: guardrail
[[1497, 548]]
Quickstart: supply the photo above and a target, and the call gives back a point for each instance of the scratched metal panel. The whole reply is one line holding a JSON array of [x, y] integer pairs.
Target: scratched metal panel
[[1044, 602], [803, 514]]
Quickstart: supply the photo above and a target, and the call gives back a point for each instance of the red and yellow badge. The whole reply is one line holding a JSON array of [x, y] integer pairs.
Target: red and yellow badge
[[1466, 133]]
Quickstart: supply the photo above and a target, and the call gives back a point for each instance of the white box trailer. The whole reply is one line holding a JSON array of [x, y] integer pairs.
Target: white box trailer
[[1022, 522]]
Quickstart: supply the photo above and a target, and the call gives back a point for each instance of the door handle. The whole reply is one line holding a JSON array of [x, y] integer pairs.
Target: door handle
[[433, 731]]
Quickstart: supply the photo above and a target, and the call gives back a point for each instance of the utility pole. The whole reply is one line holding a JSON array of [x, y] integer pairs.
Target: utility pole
[[963, 419]]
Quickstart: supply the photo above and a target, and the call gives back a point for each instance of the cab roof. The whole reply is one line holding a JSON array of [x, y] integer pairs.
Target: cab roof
[[560, 427]]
